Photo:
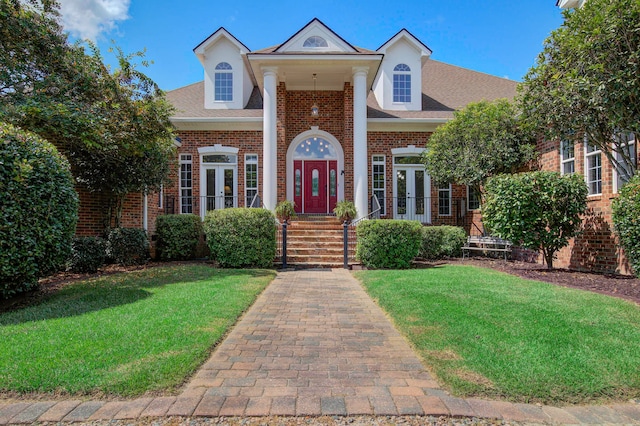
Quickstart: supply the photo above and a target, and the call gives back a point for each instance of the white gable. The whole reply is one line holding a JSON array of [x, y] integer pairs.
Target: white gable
[[315, 33]]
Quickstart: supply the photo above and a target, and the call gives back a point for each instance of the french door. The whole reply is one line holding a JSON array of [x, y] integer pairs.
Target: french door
[[219, 186], [411, 193]]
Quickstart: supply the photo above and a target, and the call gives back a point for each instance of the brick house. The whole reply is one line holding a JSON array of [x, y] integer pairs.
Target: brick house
[[317, 120]]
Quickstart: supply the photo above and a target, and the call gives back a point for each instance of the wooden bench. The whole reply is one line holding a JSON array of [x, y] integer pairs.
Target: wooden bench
[[486, 245]]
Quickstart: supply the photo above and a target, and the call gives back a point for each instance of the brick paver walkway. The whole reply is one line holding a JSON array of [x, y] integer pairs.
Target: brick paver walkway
[[313, 344]]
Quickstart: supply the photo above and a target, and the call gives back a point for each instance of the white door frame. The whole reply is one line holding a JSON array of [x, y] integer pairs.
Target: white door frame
[[219, 167]]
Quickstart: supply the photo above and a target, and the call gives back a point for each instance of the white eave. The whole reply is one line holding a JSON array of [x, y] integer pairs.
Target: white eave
[[217, 123], [405, 124]]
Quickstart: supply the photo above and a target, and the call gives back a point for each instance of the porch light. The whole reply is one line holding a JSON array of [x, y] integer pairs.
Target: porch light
[[315, 112]]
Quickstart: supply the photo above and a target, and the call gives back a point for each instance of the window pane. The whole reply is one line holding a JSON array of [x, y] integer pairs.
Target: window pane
[[332, 183], [419, 182], [217, 158], [315, 183], [401, 190], [298, 182], [414, 159]]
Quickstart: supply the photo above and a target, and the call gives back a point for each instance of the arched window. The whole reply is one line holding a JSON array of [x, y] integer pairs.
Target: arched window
[[315, 41], [223, 82], [402, 83]]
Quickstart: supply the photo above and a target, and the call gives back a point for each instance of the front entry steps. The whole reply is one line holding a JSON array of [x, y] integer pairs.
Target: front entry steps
[[314, 241]]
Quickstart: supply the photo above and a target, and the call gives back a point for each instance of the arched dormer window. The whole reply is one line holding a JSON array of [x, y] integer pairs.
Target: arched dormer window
[[402, 83], [315, 41], [223, 82]]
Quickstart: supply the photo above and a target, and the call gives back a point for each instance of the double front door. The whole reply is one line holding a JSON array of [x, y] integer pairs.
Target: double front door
[[315, 185], [411, 202]]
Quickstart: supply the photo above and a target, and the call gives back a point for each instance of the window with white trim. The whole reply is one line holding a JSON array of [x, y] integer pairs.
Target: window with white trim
[[444, 200], [186, 184], [315, 41], [161, 197], [250, 178], [473, 199], [567, 157], [223, 85], [378, 183], [630, 139], [402, 84], [593, 168]]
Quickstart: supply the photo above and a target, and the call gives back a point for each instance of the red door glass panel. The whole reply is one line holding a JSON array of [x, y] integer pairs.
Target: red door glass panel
[[297, 185], [333, 185]]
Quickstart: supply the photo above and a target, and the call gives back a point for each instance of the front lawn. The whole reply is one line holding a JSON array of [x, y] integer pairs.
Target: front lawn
[[124, 334], [491, 334]]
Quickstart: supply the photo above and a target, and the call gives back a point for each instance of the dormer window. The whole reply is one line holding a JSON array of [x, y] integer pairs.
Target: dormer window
[[402, 84], [315, 41], [223, 83]]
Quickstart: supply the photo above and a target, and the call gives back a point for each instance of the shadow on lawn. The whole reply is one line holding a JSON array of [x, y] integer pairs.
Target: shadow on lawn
[[85, 296]]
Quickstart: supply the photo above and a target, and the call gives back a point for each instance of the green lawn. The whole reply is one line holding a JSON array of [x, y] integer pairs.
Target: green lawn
[[487, 333], [124, 334]]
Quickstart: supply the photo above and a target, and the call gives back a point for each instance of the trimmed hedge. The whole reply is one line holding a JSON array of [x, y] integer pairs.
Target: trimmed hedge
[[88, 254], [442, 241], [388, 243], [626, 220], [128, 246], [178, 236], [38, 210], [241, 237]]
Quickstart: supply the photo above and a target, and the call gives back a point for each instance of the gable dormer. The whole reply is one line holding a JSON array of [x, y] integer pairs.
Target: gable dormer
[[227, 81], [315, 37], [398, 86]]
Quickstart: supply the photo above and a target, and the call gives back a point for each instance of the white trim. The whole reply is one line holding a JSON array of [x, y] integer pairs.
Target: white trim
[[257, 163], [450, 191], [564, 161], [616, 176], [145, 213], [587, 156], [382, 163], [329, 138], [410, 150], [218, 149], [203, 167], [469, 199], [181, 162]]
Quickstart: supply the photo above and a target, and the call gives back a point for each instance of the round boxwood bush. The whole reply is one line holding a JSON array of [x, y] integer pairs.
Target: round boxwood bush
[[442, 241], [178, 236], [89, 254], [389, 244], [241, 237], [38, 210], [626, 220], [128, 246]]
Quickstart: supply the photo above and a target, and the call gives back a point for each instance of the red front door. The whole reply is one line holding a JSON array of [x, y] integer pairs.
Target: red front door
[[315, 187]]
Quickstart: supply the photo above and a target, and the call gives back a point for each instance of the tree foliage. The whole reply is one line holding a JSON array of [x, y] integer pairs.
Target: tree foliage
[[483, 140], [586, 80], [38, 210], [113, 126], [537, 210], [626, 219]]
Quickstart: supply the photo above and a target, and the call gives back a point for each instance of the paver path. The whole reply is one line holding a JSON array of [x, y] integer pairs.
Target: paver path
[[313, 343]]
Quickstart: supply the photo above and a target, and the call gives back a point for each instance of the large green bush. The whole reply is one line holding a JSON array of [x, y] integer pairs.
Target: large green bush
[[128, 246], [626, 220], [442, 241], [38, 210], [388, 243], [88, 254], [540, 211], [178, 236], [241, 237]]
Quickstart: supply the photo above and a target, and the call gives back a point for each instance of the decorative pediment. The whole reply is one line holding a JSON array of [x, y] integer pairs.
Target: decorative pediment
[[407, 37], [219, 35], [315, 37]]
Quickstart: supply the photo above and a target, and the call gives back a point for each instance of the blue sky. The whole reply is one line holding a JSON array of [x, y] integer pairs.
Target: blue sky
[[498, 37]]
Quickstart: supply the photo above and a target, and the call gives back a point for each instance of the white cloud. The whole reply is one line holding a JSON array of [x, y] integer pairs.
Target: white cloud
[[88, 18]]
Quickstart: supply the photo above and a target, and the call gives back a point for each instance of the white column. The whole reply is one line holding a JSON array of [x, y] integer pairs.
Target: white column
[[145, 213], [360, 175], [270, 139]]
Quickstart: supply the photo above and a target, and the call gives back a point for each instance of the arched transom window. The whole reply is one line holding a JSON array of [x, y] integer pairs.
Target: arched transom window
[[402, 83], [315, 41], [224, 82], [315, 148]]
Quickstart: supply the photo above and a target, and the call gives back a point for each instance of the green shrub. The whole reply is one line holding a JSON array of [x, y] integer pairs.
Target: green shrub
[[286, 210], [178, 236], [537, 210], [626, 220], [442, 241], [241, 237], [388, 243], [38, 210], [128, 246], [345, 211], [88, 254]]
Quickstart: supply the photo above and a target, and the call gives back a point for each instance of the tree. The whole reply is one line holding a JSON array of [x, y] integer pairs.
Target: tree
[[540, 211], [483, 140], [626, 219], [38, 210], [585, 81], [112, 126]]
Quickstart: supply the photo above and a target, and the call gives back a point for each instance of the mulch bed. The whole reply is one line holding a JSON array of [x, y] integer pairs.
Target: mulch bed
[[622, 286]]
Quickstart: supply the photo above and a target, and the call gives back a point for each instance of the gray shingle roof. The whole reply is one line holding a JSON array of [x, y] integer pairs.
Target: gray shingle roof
[[445, 88]]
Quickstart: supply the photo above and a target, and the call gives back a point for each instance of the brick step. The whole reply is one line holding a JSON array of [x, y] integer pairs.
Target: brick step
[[296, 245], [311, 237], [314, 259], [314, 227], [313, 251]]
